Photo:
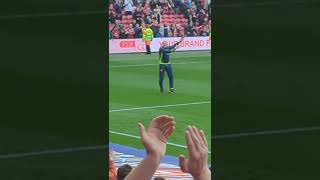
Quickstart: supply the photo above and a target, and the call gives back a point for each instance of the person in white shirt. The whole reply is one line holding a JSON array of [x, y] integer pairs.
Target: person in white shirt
[[128, 7]]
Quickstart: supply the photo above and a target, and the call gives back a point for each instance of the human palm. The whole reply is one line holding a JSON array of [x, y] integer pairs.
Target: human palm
[[157, 135]]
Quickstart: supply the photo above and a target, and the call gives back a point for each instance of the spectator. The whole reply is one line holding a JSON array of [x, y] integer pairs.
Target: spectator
[[201, 17], [137, 31], [153, 4], [118, 17], [128, 7], [189, 4], [174, 31], [112, 17], [122, 34], [118, 7], [146, 10], [177, 4], [193, 7], [134, 22], [123, 171], [166, 30], [156, 28], [130, 32], [194, 17], [112, 168], [137, 15], [115, 33], [157, 12], [161, 30], [147, 20], [191, 31]]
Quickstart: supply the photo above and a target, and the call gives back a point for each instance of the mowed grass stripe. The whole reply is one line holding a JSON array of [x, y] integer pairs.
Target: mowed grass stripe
[[160, 106]]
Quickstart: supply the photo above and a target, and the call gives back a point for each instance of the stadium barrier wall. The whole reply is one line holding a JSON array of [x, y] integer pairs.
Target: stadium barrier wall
[[138, 46]]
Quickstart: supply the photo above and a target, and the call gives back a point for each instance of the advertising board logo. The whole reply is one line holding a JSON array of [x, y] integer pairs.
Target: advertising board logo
[[127, 44]]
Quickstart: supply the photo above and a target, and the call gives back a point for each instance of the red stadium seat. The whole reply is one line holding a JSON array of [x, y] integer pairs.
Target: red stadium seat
[[129, 16], [176, 15], [181, 16], [165, 16], [171, 16]]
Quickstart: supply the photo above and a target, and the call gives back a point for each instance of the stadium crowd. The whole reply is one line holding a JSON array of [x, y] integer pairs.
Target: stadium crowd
[[167, 18], [155, 139]]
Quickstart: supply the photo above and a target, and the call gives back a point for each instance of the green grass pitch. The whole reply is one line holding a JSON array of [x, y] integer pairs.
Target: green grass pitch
[[133, 80]]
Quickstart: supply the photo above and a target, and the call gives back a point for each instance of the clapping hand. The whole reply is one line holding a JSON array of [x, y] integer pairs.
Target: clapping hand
[[157, 135], [197, 164]]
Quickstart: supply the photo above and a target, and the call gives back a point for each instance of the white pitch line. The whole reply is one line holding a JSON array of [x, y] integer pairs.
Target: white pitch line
[[138, 137], [142, 65], [162, 106], [54, 14], [54, 151], [267, 132]]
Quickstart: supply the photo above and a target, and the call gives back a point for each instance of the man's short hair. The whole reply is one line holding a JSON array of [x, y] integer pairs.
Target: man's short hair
[[159, 178], [123, 171]]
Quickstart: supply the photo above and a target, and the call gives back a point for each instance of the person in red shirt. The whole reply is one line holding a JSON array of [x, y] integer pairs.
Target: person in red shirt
[[112, 168], [146, 10], [130, 32], [115, 33]]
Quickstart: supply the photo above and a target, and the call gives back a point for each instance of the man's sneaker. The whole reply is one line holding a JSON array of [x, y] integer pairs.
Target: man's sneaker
[[171, 91], [162, 92]]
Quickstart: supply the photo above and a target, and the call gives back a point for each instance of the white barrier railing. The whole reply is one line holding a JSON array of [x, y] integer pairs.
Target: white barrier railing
[[138, 46]]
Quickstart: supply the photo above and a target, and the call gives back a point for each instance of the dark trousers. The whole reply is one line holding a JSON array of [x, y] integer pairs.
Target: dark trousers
[[148, 49], [162, 69]]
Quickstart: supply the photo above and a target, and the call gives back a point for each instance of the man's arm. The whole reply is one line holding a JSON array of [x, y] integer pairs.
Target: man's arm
[[177, 43], [168, 49]]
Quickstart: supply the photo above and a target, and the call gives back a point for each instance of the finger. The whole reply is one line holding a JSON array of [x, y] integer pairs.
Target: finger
[[203, 136], [142, 131], [166, 126], [198, 136], [169, 131], [195, 138], [190, 144], [183, 163], [161, 120]]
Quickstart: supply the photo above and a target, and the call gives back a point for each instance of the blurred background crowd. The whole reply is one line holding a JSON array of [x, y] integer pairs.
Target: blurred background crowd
[[167, 18]]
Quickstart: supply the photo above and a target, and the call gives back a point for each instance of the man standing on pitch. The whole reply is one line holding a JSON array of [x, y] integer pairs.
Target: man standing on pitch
[[165, 64]]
